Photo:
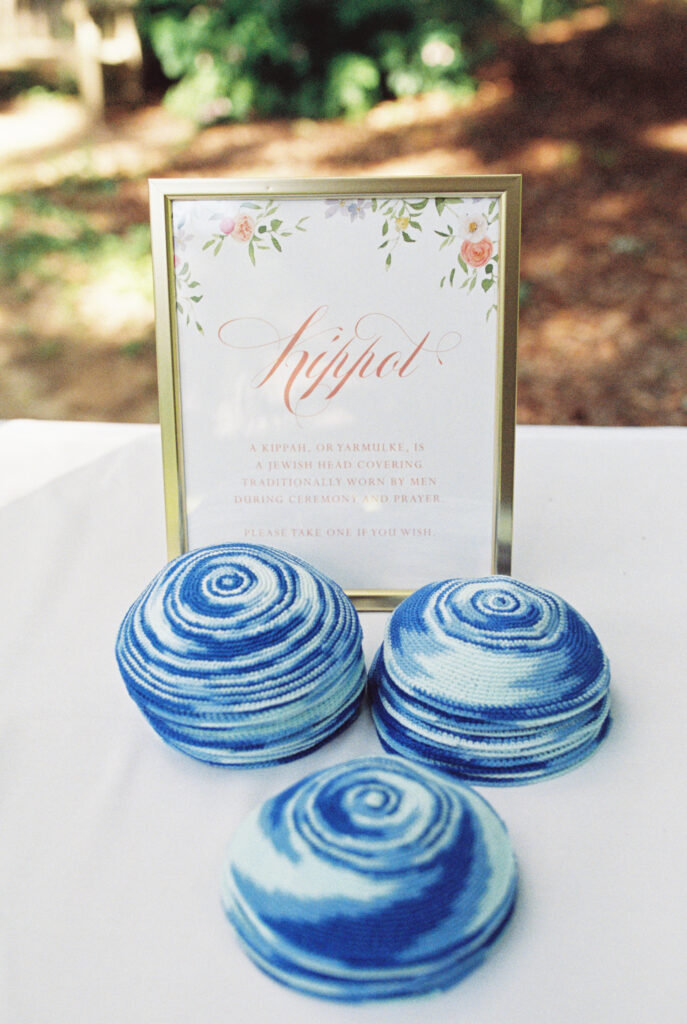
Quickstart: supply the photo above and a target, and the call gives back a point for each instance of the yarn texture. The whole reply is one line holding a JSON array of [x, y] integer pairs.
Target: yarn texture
[[372, 879], [491, 679], [243, 655]]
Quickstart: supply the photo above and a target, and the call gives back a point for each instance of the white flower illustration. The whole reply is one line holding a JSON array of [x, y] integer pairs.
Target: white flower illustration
[[472, 227]]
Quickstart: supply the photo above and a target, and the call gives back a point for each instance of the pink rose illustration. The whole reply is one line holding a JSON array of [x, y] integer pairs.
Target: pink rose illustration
[[227, 225], [476, 254], [244, 228]]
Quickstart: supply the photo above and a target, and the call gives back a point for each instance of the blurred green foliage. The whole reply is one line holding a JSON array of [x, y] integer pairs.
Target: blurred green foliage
[[526, 13], [231, 59], [56, 254], [36, 226]]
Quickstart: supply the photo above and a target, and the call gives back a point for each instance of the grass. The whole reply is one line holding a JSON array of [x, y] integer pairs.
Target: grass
[[37, 227], [49, 246], [76, 300]]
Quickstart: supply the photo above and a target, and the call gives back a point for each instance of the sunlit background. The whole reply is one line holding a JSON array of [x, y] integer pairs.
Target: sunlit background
[[588, 102]]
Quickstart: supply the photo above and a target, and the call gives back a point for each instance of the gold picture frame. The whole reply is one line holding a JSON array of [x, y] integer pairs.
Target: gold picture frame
[[502, 193]]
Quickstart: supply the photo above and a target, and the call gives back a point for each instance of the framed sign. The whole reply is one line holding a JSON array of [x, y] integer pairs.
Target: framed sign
[[336, 363]]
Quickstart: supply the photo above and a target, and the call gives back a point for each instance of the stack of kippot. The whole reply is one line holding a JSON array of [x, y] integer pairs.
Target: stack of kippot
[[242, 655], [371, 879], [491, 679]]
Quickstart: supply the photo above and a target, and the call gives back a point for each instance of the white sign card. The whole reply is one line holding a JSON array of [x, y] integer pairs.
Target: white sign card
[[337, 372]]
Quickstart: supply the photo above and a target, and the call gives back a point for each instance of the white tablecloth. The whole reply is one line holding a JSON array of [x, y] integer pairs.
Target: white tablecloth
[[111, 843]]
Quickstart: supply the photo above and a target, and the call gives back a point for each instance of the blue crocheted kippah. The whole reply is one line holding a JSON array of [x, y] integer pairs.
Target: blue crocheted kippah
[[372, 879], [490, 679], [243, 655]]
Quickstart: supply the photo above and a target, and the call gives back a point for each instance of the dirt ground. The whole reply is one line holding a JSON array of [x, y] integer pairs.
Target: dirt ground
[[592, 112]]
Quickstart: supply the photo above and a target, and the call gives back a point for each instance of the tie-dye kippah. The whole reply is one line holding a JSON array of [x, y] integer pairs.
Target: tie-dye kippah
[[243, 655], [490, 679], [372, 879]]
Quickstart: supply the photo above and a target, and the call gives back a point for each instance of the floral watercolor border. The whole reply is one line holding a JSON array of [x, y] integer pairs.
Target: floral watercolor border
[[262, 226]]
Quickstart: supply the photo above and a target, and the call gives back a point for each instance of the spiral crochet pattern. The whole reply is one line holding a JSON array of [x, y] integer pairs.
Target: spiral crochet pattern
[[490, 679], [372, 879], [243, 655]]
